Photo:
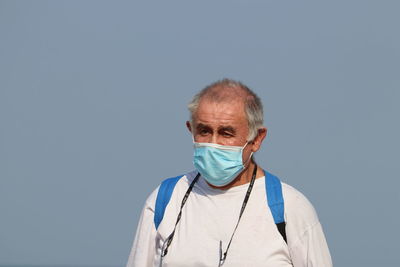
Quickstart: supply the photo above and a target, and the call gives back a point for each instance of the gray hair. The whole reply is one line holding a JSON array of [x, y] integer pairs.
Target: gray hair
[[253, 105]]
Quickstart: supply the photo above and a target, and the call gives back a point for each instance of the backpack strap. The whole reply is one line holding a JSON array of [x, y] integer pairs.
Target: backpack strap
[[275, 202], [163, 196]]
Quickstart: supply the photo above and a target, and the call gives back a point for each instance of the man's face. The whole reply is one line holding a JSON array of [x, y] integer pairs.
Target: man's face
[[221, 123]]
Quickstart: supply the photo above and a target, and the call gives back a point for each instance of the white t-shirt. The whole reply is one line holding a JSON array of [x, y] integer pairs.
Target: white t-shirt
[[210, 215]]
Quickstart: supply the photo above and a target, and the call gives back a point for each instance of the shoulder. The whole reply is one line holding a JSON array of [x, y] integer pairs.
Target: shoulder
[[300, 215], [306, 239], [297, 205]]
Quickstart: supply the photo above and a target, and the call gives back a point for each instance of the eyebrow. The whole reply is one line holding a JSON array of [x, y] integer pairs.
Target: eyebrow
[[227, 129], [201, 125]]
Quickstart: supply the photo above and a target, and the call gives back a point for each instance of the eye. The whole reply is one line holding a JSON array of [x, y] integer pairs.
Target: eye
[[227, 134]]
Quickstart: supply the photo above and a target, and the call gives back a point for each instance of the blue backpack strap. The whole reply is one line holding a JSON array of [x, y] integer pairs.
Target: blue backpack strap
[[275, 201], [163, 196]]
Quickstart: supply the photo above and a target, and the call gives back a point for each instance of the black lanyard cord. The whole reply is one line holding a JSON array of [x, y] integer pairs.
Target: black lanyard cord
[[171, 236], [168, 241], [222, 256]]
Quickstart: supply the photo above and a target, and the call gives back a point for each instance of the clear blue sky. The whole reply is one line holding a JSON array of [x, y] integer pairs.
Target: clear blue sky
[[93, 101]]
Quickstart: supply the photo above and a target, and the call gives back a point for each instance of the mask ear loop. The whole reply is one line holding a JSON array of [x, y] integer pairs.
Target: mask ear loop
[[251, 154]]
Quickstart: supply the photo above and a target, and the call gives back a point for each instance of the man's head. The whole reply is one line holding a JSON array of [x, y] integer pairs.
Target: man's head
[[228, 113]]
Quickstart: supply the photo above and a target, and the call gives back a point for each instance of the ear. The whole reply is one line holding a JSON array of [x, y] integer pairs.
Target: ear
[[256, 143], [189, 126]]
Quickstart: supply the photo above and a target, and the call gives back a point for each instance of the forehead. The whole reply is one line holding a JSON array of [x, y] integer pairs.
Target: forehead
[[221, 113]]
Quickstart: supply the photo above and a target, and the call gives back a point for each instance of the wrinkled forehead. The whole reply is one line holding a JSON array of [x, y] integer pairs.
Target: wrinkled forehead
[[222, 102], [230, 110]]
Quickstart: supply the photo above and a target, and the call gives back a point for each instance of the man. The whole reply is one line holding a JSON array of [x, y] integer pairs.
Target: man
[[225, 212]]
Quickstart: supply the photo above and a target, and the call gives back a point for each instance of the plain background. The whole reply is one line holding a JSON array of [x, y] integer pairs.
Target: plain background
[[93, 99]]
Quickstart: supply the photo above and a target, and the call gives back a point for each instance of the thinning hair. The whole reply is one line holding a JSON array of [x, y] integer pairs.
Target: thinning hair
[[215, 92]]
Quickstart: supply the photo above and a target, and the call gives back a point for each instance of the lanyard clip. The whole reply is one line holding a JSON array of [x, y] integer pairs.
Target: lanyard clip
[[222, 256]]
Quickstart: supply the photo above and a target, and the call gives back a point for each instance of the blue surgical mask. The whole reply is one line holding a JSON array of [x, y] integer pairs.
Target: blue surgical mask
[[218, 164]]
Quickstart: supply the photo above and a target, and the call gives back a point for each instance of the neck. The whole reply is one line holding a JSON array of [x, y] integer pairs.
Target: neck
[[242, 178]]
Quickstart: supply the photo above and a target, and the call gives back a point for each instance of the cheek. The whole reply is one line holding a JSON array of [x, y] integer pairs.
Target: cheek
[[229, 141]]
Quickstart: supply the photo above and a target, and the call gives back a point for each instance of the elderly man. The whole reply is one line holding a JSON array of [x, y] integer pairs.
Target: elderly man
[[229, 211]]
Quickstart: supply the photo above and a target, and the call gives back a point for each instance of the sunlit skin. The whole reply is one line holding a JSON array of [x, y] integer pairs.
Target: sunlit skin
[[226, 124]]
